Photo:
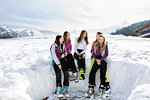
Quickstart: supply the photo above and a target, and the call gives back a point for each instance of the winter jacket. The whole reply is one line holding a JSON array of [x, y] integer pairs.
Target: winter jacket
[[68, 47], [97, 52], [56, 54], [82, 45], [93, 45]]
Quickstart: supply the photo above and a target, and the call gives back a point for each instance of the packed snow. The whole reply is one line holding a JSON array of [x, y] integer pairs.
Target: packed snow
[[26, 71]]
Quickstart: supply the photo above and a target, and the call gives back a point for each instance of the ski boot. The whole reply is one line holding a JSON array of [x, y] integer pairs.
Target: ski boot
[[107, 89], [65, 91], [90, 92], [101, 91], [107, 93], [71, 76], [59, 92], [76, 77], [82, 74]]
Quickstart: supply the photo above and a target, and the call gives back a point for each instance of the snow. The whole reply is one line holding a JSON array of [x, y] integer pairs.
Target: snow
[[140, 93], [26, 71]]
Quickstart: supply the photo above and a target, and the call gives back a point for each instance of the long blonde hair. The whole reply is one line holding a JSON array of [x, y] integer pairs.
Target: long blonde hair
[[103, 44]]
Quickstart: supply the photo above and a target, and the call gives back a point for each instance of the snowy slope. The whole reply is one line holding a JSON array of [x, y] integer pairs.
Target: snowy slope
[[28, 32], [7, 33], [26, 71]]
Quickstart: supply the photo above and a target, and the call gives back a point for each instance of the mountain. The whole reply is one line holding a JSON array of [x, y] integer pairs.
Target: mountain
[[129, 30], [48, 32], [106, 30], [94, 31], [28, 32], [5, 32]]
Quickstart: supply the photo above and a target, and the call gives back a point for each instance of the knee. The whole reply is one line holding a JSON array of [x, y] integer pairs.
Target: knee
[[58, 75], [104, 63], [102, 76], [66, 74], [92, 75]]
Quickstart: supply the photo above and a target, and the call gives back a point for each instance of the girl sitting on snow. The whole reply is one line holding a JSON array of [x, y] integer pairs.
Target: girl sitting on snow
[[73, 73], [99, 53], [80, 47], [58, 53], [107, 86]]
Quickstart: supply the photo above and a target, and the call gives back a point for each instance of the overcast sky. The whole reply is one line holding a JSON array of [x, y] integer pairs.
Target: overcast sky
[[61, 15]]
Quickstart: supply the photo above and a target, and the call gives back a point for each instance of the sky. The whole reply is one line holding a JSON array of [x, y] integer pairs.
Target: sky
[[62, 15]]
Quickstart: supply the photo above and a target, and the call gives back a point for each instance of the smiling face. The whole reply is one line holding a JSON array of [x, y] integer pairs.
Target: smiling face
[[101, 40], [61, 40]]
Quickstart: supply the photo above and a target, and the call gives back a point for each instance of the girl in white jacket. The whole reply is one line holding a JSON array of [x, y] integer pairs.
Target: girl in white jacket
[[80, 47]]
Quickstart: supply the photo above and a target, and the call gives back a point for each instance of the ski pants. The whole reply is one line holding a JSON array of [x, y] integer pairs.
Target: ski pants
[[71, 64], [80, 60], [106, 81], [103, 68], [58, 74]]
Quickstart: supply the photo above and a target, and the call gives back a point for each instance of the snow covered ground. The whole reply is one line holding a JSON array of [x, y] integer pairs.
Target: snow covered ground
[[26, 71]]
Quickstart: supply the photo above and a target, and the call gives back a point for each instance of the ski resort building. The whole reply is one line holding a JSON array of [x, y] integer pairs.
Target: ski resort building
[[143, 32]]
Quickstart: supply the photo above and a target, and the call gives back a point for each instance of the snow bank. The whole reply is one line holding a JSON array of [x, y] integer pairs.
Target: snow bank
[[13, 87], [26, 71], [142, 92], [125, 77]]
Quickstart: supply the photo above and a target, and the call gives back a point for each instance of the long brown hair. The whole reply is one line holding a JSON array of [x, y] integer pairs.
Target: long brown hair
[[65, 37], [81, 36], [57, 42], [103, 44]]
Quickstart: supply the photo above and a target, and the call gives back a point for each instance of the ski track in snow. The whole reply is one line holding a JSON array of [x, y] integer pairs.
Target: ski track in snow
[[26, 71]]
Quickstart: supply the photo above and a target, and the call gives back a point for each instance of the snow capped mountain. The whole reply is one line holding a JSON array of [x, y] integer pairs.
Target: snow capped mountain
[[7, 33], [48, 32], [28, 32]]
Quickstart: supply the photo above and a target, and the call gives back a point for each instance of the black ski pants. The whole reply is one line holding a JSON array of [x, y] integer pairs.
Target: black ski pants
[[103, 68], [80, 60], [58, 73], [71, 64]]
